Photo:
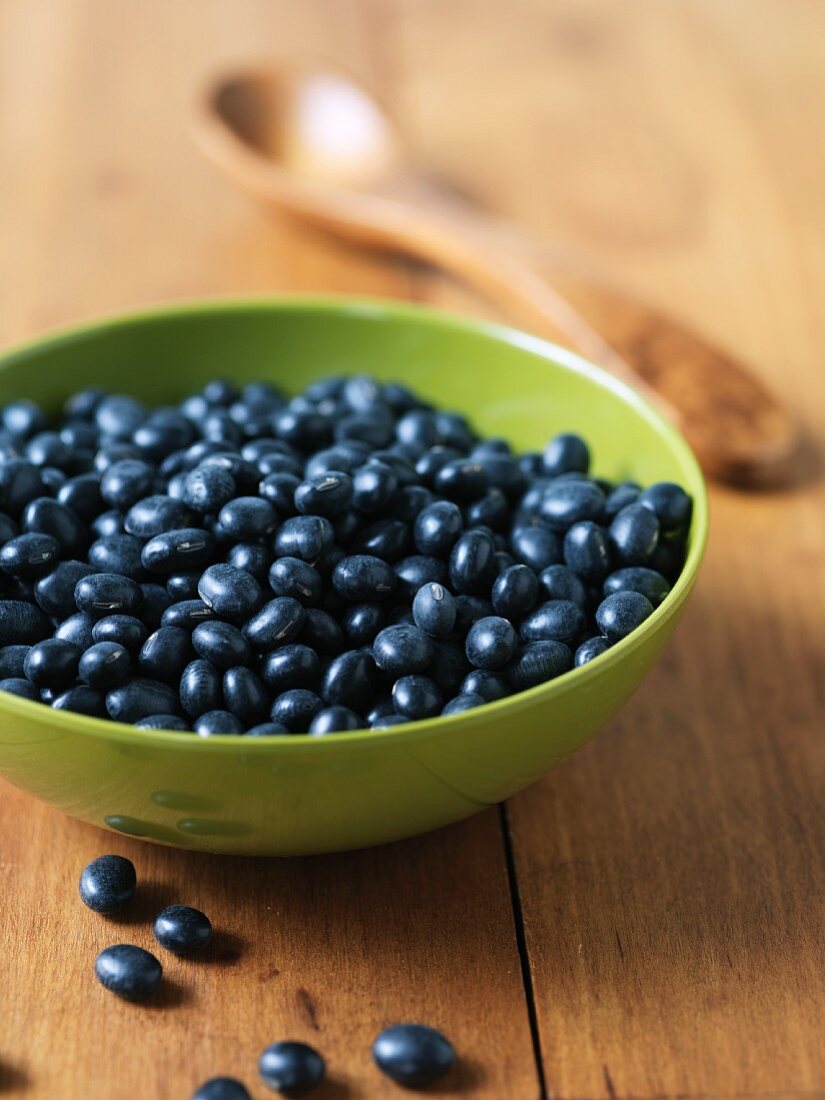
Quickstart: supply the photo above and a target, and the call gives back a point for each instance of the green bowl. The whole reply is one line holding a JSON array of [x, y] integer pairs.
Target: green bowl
[[295, 795]]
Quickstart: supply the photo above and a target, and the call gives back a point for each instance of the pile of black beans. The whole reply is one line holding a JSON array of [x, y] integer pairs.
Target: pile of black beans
[[352, 557], [413, 1055]]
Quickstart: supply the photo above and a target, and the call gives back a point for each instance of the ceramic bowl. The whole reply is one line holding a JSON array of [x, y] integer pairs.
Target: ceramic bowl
[[297, 794]]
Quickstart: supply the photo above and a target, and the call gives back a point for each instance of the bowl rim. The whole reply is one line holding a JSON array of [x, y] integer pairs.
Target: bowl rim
[[384, 310]]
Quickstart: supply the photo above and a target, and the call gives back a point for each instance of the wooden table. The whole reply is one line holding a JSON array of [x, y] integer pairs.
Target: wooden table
[[647, 920]]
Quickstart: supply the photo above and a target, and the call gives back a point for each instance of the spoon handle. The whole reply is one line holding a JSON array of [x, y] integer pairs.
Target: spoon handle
[[739, 430]]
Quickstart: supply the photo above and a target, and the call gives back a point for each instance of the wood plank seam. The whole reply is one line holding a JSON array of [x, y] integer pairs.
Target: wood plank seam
[[521, 943]]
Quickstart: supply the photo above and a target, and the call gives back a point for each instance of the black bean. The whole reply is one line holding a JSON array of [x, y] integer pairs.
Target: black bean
[[418, 570], [537, 662], [491, 510], [462, 479], [293, 1069], [587, 551], [201, 688], [326, 494], [489, 685], [363, 621], [102, 594], [82, 699], [77, 629], [104, 665], [413, 1055], [515, 592], [434, 609], [221, 643], [620, 614], [669, 503], [163, 722], [11, 660], [587, 651], [20, 483], [245, 695], [373, 487], [230, 592], [620, 496], [417, 697], [437, 527], [23, 418], [125, 482], [334, 720], [292, 666], [295, 709], [178, 551], [140, 699], [668, 559], [560, 583], [117, 415], [362, 577], [218, 721], [130, 972], [181, 929], [118, 554], [569, 501], [155, 514], [48, 517], [296, 578], [126, 630], [556, 620], [491, 642], [401, 650], [472, 562], [247, 518], [108, 523], [351, 680], [322, 631], [184, 586], [165, 654], [279, 489], [634, 534], [277, 623], [465, 701], [29, 555], [267, 729], [17, 685], [638, 579], [304, 537], [410, 501], [22, 623], [253, 558], [564, 454], [107, 884], [536, 545], [469, 609], [82, 495], [208, 488], [388, 539]]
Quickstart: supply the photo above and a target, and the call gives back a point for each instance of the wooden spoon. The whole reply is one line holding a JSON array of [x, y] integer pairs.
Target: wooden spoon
[[315, 144]]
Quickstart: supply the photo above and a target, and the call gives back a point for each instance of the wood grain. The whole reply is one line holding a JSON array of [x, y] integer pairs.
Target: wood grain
[[670, 875]]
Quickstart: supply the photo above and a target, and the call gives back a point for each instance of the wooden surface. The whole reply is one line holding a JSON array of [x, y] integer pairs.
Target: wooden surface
[[650, 923]]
